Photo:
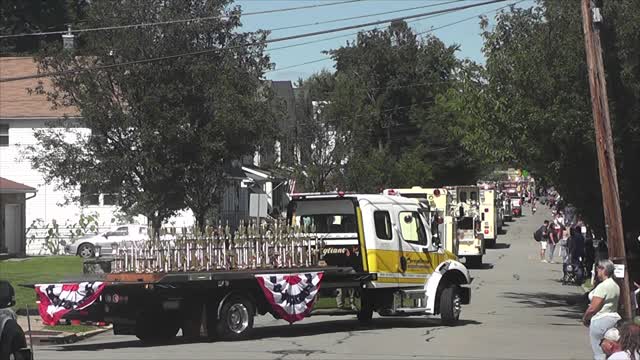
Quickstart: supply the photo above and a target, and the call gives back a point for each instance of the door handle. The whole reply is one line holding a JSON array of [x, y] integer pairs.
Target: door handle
[[403, 264]]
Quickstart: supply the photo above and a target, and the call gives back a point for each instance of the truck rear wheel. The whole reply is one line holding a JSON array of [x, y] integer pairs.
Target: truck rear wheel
[[156, 328], [450, 305], [236, 318]]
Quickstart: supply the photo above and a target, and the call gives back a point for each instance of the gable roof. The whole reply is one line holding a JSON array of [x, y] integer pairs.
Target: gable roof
[[11, 187], [16, 102]]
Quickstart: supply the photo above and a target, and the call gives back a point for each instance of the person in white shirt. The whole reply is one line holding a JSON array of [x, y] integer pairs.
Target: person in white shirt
[[610, 343], [602, 313], [629, 343]]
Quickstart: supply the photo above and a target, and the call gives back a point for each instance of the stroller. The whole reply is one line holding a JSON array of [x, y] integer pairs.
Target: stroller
[[573, 272]]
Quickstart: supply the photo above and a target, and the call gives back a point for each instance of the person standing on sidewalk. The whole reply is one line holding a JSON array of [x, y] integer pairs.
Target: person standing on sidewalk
[[552, 242], [602, 313]]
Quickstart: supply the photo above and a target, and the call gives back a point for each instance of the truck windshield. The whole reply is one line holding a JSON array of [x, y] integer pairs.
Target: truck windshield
[[324, 216]]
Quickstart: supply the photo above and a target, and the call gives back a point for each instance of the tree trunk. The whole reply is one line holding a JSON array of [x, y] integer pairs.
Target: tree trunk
[[200, 220], [156, 225]]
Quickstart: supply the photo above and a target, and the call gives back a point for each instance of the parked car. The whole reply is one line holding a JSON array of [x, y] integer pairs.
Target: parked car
[[13, 344], [124, 234]]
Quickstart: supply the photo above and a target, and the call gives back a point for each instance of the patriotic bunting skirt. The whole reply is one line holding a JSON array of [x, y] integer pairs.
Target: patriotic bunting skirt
[[56, 300], [291, 296]]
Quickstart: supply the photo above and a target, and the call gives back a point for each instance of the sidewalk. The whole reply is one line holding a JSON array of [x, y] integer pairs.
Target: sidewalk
[[41, 335]]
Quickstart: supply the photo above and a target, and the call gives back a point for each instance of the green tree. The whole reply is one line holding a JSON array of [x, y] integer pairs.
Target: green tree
[[18, 17], [161, 132], [320, 150], [530, 105], [381, 102]]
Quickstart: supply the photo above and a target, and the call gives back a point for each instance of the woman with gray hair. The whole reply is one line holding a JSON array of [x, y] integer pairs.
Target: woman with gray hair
[[602, 313]]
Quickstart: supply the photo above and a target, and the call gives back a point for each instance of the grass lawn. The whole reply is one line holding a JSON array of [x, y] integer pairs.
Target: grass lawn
[[72, 328], [37, 270]]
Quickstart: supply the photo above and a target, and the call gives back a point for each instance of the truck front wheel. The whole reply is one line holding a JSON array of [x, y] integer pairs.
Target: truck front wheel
[[450, 305], [236, 318]]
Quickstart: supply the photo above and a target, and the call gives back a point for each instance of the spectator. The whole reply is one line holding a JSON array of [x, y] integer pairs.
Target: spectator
[[610, 343], [543, 234], [551, 245], [576, 245], [629, 343], [602, 313]]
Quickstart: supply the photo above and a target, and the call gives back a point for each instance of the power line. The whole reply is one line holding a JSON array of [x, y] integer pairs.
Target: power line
[[116, 27], [363, 16], [419, 33], [267, 41], [347, 35]]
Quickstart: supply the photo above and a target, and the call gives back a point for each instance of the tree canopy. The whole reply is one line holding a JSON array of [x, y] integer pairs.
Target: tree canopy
[[161, 133], [380, 105], [530, 105]]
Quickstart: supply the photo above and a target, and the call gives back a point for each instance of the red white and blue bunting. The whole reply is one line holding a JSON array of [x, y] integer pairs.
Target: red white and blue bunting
[[56, 300], [291, 295]]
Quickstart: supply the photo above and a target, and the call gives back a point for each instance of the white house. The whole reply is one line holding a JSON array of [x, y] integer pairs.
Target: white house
[[22, 112]]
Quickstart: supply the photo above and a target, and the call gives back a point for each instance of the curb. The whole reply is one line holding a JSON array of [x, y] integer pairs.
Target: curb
[[67, 338]]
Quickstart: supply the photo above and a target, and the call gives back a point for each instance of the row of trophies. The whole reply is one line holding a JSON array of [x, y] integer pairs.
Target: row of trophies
[[218, 248]]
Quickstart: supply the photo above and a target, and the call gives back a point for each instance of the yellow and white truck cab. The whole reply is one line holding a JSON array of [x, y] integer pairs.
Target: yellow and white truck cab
[[393, 240], [439, 202]]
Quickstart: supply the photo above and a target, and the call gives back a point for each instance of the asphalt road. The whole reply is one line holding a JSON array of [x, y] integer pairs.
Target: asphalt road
[[519, 310]]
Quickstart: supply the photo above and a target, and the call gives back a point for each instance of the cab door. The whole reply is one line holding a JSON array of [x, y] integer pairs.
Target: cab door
[[417, 259]]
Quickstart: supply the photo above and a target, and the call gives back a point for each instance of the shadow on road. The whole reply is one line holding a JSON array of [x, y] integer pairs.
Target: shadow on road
[[483, 266], [569, 306], [283, 331], [499, 246]]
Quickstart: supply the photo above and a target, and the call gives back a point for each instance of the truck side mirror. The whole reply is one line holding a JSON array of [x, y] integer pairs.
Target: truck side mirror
[[7, 295]]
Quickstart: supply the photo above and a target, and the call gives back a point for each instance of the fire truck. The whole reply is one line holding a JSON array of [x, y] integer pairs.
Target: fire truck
[[469, 234], [513, 190], [490, 214]]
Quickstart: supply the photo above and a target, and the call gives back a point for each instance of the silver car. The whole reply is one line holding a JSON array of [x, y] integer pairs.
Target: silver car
[[86, 246]]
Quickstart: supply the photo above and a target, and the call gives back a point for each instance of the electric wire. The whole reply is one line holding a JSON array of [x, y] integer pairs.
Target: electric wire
[[267, 41], [418, 34], [117, 27]]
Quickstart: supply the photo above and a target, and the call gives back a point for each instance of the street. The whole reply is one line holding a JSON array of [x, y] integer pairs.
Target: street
[[518, 310]]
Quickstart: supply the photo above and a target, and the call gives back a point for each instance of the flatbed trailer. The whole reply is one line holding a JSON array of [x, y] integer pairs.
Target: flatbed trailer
[[217, 304]]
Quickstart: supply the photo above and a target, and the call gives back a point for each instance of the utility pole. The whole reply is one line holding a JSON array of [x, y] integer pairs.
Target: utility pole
[[591, 20]]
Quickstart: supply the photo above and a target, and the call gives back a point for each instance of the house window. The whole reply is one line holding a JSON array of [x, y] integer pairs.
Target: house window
[[4, 135], [89, 195]]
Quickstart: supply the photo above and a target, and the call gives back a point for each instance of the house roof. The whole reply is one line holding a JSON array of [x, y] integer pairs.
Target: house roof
[[282, 88], [16, 102], [11, 187]]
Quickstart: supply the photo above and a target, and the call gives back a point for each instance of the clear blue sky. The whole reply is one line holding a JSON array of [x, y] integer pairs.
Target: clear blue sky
[[465, 34]]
